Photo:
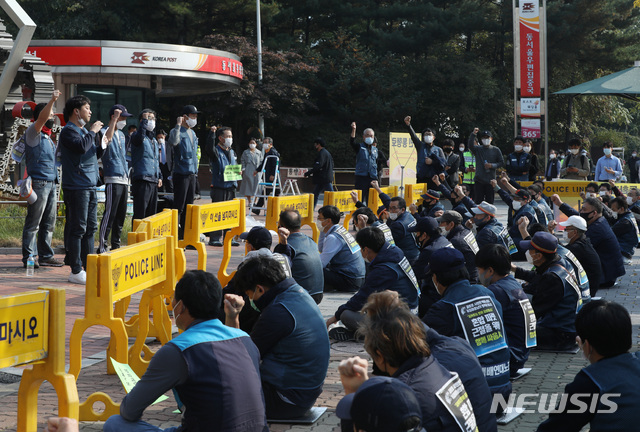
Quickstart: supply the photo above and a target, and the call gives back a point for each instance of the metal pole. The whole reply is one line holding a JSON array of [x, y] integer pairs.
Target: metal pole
[[546, 84], [259, 45], [516, 69]]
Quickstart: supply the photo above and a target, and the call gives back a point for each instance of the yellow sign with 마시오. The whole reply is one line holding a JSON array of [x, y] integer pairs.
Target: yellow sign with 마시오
[[132, 269], [219, 216], [161, 224], [24, 328], [294, 202], [342, 200], [413, 192]]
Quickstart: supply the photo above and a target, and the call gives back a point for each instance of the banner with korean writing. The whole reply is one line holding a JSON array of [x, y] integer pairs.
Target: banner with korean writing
[[402, 159], [482, 325], [219, 215], [529, 48]]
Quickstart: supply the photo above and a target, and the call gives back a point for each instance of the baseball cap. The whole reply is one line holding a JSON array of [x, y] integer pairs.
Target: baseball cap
[[122, 108], [258, 237], [541, 241], [381, 404], [425, 224], [575, 221], [450, 216], [485, 133], [485, 208], [189, 109], [431, 194], [446, 258], [522, 194]]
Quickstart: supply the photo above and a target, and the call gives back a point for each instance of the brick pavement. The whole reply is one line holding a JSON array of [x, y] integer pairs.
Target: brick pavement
[[551, 372]]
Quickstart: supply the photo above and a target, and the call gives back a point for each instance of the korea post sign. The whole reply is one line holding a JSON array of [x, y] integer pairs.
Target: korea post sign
[[132, 269], [24, 332]]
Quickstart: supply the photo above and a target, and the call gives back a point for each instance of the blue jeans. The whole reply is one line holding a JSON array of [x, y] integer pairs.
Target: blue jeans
[[80, 226], [40, 220], [320, 187], [117, 424]]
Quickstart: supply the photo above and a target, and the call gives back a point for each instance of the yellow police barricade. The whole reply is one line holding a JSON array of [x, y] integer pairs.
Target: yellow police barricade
[[343, 201], [412, 193], [32, 331], [217, 216], [374, 198], [112, 276], [163, 224], [302, 203]]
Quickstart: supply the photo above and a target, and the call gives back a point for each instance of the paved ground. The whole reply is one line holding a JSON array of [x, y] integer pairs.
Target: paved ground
[[551, 372]]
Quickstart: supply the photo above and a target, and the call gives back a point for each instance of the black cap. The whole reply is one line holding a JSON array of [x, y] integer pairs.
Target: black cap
[[426, 225], [189, 109], [122, 108], [522, 194], [446, 258], [258, 237], [485, 134]]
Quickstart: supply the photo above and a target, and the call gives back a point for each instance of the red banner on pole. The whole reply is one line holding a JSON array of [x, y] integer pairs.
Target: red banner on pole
[[529, 48]]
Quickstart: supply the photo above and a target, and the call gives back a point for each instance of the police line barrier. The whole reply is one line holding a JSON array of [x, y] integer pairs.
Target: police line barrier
[[113, 276], [412, 193], [163, 224], [374, 198], [32, 332], [202, 219], [302, 203], [343, 201]]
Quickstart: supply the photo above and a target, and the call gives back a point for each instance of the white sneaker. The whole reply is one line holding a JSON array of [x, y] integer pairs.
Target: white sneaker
[[78, 278]]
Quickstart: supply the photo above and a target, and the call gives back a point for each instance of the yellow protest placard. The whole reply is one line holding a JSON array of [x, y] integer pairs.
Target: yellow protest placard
[[402, 159], [129, 378], [24, 332]]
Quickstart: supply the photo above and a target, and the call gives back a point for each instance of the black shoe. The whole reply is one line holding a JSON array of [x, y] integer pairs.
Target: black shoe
[[234, 243], [256, 212], [216, 243], [190, 247], [341, 334], [50, 262]]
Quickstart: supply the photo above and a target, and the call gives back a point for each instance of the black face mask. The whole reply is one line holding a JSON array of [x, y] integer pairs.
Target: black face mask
[[586, 216], [448, 149], [48, 124]]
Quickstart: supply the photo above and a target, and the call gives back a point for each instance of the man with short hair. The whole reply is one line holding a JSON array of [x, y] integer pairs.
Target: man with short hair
[[185, 162], [632, 163], [431, 159], [166, 162], [461, 239], [116, 179], [322, 171], [575, 166], [214, 369], [343, 265], [625, 229], [290, 334], [388, 269], [40, 159], [601, 236], [306, 265], [367, 155], [269, 166], [608, 166], [80, 150], [146, 174], [489, 160], [518, 162]]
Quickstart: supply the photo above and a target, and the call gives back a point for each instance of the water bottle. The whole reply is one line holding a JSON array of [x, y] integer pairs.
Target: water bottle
[[30, 265]]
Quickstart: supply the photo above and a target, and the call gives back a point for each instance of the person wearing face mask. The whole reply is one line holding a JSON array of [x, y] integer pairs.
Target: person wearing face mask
[[40, 158], [342, 262], [250, 160], [429, 240], [604, 334], [554, 289], [366, 160], [197, 365], [461, 239], [322, 171], [519, 161], [575, 166], [489, 160], [165, 156], [632, 163], [145, 161], [454, 313], [185, 162], [580, 246], [519, 202], [431, 160], [494, 267], [467, 164], [553, 166], [430, 203], [388, 269], [601, 236], [488, 229], [222, 189], [269, 167], [452, 163], [534, 167], [544, 213], [290, 334], [116, 179], [633, 201], [625, 229], [80, 150], [608, 166]]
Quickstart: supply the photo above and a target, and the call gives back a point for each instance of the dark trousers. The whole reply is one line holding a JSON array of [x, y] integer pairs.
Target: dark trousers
[[115, 212], [364, 183], [145, 198], [553, 339], [184, 187], [167, 184], [81, 224], [277, 408], [337, 282], [219, 195], [320, 187], [483, 192]]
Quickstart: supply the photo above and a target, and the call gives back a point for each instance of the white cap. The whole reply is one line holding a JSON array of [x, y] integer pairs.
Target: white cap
[[575, 221]]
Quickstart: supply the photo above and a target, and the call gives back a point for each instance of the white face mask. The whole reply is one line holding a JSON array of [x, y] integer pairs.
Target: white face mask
[[629, 200], [552, 156], [191, 122], [602, 193], [428, 139], [518, 147], [486, 141], [393, 216], [368, 140], [121, 124], [574, 151], [634, 154], [529, 257], [517, 205], [151, 125], [615, 215], [565, 237], [527, 149], [175, 317], [161, 141], [228, 142], [591, 195], [443, 231], [461, 148], [607, 151], [252, 146], [81, 122]]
